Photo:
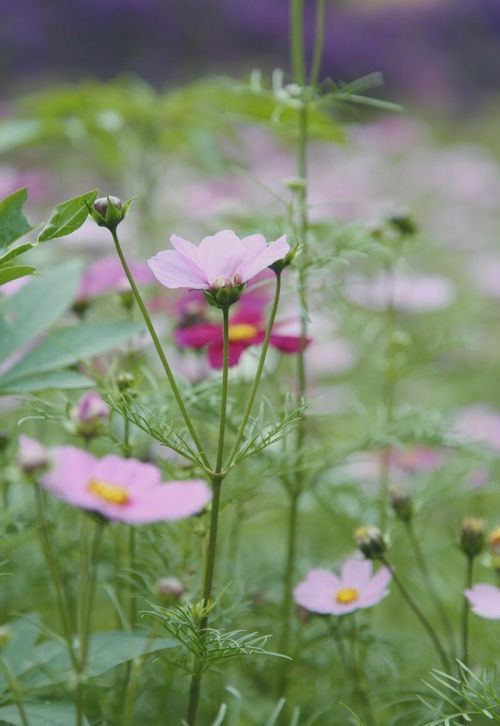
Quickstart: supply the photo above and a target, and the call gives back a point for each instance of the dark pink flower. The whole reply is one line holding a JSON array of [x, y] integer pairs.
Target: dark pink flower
[[125, 490], [246, 328], [357, 587]]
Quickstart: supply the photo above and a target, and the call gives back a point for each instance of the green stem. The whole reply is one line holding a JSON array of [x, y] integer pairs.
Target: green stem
[[421, 617], [297, 41], [217, 479], [426, 575], [359, 679], [288, 582], [258, 374], [466, 610], [14, 689], [159, 350], [319, 38], [55, 573]]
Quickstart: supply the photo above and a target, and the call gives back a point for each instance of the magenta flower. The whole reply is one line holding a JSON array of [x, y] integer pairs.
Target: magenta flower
[[107, 275], [246, 328], [119, 489], [357, 587], [484, 601], [221, 260]]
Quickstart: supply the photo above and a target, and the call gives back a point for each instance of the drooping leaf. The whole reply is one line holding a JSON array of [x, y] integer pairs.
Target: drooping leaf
[[14, 252], [59, 380], [68, 216], [71, 345], [34, 308], [107, 650], [56, 713], [13, 273], [13, 223]]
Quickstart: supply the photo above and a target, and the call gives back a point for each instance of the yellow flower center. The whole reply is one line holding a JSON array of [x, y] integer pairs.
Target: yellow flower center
[[109, 492], [494, 538], [347, 595], [242, 331]]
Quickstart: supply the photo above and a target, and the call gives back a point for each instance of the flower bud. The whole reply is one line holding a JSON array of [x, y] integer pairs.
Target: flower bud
[[89, 415], [472, 537], [109, 211], [401, 503], [494, 545], [124, 381], [170, 588], [370, 541], [403, 223], [32, 456], [287, 260]]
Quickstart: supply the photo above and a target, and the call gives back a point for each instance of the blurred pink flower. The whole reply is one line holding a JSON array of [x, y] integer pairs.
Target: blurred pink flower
[[10, 288], [325, 592], [90, 407], [416, 458], [107, 275], [486, 275], [220, 260], [409, 293], [479, 424], [31, 454], [484, 601], [119, 489]]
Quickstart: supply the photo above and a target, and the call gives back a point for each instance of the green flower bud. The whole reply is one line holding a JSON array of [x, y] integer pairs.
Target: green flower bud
[[109, 211], [125, 381], [370, 541], [472, 536], [403, 224], [280, 265], [401, 503], [223, 294]]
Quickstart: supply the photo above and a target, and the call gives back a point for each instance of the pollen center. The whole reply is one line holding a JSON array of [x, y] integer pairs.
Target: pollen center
[[109, 492], [346, 596], [242, 331]]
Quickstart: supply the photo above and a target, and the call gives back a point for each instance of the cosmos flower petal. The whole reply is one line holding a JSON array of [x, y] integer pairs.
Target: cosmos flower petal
[[356, 573], [128, 473], [70, 469], [256, 261], [197, 336], [288, 343], [175, 500], [236, 350], [174, 270], [484, 600]]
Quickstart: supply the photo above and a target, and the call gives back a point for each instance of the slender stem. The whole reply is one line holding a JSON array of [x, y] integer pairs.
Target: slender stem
[[55, 573], [359, 678], [297, 41], [217, 479], [319, 38], [419, 614], [389, 393], [258, 374], [426, 575], [288, 581], [14, 689], [159, 350], [466, 610]]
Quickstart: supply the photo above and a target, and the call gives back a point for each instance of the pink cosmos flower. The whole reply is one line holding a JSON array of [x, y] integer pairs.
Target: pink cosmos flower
[[246, 328], [416, 458], [484, 601], [220, 260], [107, 275], [409, 293], [357, 587], [90, 407], [119, 489]]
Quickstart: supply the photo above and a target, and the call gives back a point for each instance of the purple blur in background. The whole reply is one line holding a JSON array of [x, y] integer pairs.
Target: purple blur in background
[[438, 52]]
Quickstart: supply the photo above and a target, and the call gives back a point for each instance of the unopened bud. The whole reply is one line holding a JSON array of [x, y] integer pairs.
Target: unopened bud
[[403, 223], [109, 211], [89, 415], [32, 456], [170, 588], [287, 260], [472, 537], [401, 503], [370, 541], [125, 381]]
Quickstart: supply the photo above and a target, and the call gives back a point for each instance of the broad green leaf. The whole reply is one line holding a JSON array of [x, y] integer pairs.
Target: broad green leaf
[[71, 345], [13, 223], [67, 216], [45, 381], [49, 662], [13, 273], [56, 713], [23, 634], [32, 310], [15, 252]]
